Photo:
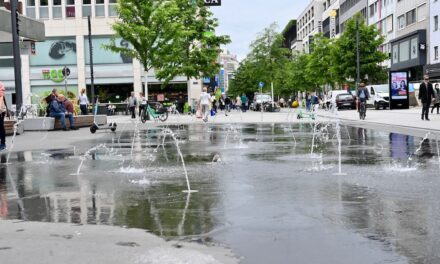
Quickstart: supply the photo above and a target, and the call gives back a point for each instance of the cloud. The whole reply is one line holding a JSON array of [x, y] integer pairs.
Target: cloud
[[244, 19]]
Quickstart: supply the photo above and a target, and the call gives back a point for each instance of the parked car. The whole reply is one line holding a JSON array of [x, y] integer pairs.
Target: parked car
[[345, 100], [330, 99], [259, 100]]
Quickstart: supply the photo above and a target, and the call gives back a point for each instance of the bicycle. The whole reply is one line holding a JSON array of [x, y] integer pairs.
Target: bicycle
[[159, 114], [362, 110]]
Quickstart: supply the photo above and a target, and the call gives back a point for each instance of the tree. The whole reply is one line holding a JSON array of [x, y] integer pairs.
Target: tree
[[150, 26], [319, 69], [196, 50], [344, 53]]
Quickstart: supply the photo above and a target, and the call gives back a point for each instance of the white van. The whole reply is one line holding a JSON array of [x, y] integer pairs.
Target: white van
[[330, 99], [379, 96]]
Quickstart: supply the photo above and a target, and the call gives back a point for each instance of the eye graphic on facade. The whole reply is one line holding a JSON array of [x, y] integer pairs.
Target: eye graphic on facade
[[60, 48]]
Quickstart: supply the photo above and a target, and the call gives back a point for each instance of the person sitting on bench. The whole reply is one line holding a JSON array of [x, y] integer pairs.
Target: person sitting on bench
[[68, 109], [57, 111]]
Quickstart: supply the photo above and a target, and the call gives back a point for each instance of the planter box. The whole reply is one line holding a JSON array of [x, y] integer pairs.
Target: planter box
[[38, 124], [9, 127]]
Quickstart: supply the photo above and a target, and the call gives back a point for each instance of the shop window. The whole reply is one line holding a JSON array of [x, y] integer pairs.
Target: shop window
[[87, 8], [44, 9], [30, 8], [56, 9], [99, 8]]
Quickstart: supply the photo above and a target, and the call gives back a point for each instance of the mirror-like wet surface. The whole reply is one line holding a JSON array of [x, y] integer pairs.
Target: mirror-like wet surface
[[263, 190]]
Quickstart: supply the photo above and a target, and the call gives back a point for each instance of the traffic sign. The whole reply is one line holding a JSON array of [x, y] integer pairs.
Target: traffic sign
[[261, 84], [66, 72]]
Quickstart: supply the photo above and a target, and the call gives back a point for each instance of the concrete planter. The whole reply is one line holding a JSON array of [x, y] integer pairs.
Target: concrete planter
[[38, 124]]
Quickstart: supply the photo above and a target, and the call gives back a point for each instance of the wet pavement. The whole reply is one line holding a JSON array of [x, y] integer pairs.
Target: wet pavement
[[262, 190]]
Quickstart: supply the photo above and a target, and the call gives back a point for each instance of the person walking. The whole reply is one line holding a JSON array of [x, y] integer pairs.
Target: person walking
[[244, 101], [142, 104], [3, 112], [426, 93], [132, 102], [238, 103], [437, 99], [205, 101], [83, 102], [228, 103]]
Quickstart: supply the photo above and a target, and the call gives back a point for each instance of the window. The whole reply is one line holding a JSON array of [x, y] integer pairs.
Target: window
[[87, 8], [401, 21], [30, 8], [99, 8], [56, 9], [44, 9], [389, 22], [70, 8], [435, 23], [411, 17], [404, 51], [112, 8], [436, 53], [371, 10], [421, 12]]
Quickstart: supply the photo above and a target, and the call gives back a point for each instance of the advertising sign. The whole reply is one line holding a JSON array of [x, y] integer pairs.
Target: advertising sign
[[54, 52], [399, 90], [213, 2], [104, 56]]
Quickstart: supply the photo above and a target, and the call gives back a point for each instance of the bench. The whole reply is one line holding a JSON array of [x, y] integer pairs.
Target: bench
[[83, 121]]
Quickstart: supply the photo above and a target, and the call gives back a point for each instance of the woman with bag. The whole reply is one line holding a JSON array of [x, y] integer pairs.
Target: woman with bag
[[205, 101], [3, 111]]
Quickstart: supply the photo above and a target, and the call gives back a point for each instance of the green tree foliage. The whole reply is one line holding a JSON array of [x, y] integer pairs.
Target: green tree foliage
[[150, 26], [176, 37], [265, 63], [319, 68], [344, 53], [196, 50]]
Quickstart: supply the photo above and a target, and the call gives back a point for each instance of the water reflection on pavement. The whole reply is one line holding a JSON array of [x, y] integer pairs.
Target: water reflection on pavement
[[261, 194]]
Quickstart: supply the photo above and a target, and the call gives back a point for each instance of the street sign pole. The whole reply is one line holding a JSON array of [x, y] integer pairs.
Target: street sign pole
[[65, 79]]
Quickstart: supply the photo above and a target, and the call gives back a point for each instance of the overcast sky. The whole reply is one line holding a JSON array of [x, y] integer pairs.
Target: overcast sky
[[243, 19]]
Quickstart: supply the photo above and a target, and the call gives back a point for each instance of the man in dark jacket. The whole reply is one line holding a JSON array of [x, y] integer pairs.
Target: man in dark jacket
[[426, 94]]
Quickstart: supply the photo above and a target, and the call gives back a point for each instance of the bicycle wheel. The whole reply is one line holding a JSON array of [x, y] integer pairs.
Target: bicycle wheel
[[163, 117], [143, 116]]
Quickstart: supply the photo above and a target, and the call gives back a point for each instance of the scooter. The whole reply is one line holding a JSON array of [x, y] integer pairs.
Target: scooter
[[95, 127]]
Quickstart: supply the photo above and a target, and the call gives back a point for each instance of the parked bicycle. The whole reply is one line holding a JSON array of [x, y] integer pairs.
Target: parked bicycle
[[158, 113]]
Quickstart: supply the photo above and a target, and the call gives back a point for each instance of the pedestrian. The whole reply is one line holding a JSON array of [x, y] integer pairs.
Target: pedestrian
[[142, 103], [3, 112], [426, 93], [204, 102], [68, 110], [282, 102], [437, 99], [57, 111], [244, 101], [131, 104], [228, 104], [238, 103], [83, 102]]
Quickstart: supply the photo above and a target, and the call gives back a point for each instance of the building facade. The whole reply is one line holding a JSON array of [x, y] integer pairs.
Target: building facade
[[330, 18], [433, 69], [67, 45], [409, 50], [309, 23], [349, 8], [381, 14]]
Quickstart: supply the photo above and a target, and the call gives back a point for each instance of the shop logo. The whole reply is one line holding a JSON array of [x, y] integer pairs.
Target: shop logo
[[55, 75]]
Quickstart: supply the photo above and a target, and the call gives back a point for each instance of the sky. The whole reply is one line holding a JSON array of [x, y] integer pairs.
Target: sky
[[242, 20]]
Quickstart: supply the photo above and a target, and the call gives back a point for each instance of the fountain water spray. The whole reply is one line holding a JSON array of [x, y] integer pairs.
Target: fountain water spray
[[338, 133]]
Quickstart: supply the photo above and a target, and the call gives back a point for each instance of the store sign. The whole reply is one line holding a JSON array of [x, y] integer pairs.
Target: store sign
[[55, 75], [213, 2]]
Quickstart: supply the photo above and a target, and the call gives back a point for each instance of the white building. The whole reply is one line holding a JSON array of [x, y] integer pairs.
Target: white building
[[434, 42], [309, 23], [229, 64], [330, 18], [67, 45], [381, 14]]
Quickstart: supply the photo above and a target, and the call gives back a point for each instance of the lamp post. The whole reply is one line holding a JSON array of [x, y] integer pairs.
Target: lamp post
[[357, 53], [15, 30]]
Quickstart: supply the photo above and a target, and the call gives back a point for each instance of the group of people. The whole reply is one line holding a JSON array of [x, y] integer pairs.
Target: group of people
[[59, 107]]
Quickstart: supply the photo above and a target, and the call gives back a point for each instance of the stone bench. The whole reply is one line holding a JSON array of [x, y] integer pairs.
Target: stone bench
[[9, 127]]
